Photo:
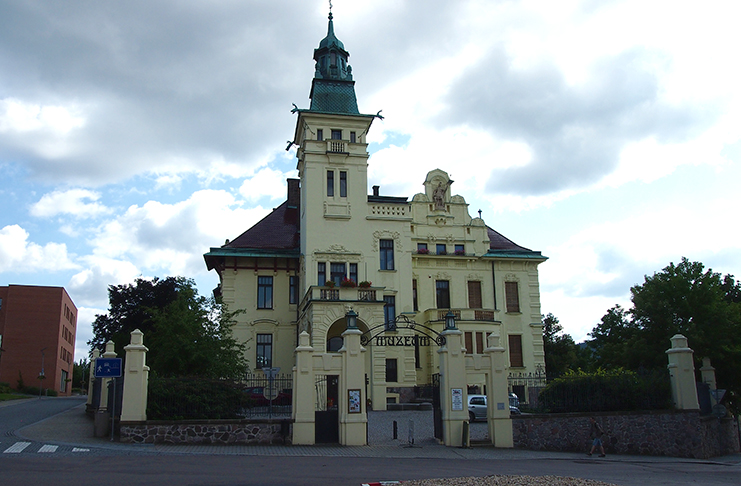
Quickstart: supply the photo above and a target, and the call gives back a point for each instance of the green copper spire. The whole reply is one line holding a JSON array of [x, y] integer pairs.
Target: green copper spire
[[333, 89]]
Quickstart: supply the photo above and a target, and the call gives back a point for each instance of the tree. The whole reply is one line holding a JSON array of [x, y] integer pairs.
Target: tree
[[681, 299], [80, 372], [186, 334], [560, 349]]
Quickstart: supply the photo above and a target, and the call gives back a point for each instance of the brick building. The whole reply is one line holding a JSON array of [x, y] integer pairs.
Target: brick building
[[37, 332]]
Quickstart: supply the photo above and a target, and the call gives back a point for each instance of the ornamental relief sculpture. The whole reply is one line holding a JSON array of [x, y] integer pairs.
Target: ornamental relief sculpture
[[387, 235]]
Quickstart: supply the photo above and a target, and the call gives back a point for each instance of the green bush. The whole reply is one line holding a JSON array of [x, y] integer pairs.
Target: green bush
[[186, 398], [606, 391], [5, 387], [34, 390]]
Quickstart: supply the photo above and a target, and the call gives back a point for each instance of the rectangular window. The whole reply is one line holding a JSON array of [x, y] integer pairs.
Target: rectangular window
[[422, 248], [321, 273], [512, 295], [63, 382], [389, 311], [354, 272], [515, 351], [320, 134], [469, 342], [336, 134], [474, 295], [479, 343], [337, 273], [441, 249], [264, 358], [442, 291], [392, 375], [343, 183], [387, 254], [330, 183], [460, 250], [352, 137], [293, 289], [264, 292], [415, 303]]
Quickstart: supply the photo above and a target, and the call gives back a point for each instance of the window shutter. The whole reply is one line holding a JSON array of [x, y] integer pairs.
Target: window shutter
[[513, 296], [515, 351], [474, 295]]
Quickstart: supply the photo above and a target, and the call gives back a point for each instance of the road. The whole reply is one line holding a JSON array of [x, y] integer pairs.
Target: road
[[119, 464]]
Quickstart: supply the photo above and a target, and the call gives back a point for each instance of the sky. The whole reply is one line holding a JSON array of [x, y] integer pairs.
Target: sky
[[136, 135]]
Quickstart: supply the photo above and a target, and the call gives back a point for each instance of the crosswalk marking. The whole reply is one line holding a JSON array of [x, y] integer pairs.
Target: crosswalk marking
[[17, 448]]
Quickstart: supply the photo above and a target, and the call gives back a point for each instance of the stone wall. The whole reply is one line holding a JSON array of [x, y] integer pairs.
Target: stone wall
[[662, 433], [207, 432]]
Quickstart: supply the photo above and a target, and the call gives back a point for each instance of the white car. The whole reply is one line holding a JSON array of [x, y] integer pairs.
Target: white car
[[477, 406]]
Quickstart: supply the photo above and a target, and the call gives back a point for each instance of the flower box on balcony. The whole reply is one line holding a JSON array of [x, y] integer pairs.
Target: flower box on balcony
[[423, 251], [365, 284], [348, 283]]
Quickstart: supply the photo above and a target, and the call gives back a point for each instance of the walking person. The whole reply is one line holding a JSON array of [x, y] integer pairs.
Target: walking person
[[596, 433]]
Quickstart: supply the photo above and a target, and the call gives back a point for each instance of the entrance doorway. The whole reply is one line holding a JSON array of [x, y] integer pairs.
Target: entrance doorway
[[327, 417]]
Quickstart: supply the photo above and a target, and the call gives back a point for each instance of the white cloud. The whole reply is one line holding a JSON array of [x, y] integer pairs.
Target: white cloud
[[72, 202], [17, 254], [19, 116], [172, 238], [266, 182]]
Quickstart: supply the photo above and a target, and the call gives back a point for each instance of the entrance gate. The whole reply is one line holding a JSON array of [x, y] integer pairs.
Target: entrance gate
[[437, 411], [327, 418]]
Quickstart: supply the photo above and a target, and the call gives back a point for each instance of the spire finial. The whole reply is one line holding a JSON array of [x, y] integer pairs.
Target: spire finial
[[330, 9]]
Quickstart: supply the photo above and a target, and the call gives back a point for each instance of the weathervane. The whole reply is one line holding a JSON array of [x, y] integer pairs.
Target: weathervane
[[330, 5]]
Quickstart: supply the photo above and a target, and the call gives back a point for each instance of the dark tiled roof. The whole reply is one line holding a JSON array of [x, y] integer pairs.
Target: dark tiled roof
[[501, 246], [498, 241], [276, 231], [333, 97]]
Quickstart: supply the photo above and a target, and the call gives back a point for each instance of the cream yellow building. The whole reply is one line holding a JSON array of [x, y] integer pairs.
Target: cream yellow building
[[401, 264]]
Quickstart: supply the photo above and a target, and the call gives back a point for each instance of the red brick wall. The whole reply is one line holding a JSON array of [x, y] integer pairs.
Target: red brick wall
[[32, 319]]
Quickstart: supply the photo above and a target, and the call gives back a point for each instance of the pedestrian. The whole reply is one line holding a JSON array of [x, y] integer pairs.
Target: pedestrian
[[596, 433]]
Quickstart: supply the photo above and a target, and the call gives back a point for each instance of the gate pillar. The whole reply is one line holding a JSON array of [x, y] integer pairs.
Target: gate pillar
[[304, 398], [453, 388], [353, 416], [110, 352], [136, 379], [682, 374], [497, 412]]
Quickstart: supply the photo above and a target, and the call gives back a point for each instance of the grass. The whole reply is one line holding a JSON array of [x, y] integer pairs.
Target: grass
[[11, 396]]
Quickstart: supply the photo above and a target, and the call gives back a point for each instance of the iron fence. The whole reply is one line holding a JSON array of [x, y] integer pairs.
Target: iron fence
[[195, 398], [644, 390]]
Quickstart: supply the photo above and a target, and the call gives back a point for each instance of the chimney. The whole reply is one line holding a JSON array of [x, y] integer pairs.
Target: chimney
[[375, 190], [294, 192]]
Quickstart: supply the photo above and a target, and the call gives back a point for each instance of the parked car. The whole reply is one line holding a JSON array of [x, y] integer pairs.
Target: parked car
[[477, 407]]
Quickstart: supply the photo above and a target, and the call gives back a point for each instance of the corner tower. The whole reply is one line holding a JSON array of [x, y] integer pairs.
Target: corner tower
[[332, 163]]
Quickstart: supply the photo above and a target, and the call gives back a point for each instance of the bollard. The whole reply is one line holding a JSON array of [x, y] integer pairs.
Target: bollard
[[395, 430], [411, 432], [466, 439]]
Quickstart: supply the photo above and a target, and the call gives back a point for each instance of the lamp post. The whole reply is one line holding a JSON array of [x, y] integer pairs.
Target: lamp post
[[449, 321], [352, 319], [41, 375]]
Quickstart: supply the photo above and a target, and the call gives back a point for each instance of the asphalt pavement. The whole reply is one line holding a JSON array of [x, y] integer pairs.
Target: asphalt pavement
[[72, 429]]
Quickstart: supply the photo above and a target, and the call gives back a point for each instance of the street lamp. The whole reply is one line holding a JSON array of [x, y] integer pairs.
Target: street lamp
[[352, 319], [449, 321], [41, 375]]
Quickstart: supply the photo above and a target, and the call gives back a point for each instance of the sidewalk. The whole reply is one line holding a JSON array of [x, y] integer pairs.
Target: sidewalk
[[73, 427]]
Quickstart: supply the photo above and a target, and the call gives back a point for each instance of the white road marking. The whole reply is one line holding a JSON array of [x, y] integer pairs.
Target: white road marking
[[79, 449], [49, 448], [16, 448]]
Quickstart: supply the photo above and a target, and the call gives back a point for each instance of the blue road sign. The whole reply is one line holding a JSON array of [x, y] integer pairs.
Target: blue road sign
[[108, 367]]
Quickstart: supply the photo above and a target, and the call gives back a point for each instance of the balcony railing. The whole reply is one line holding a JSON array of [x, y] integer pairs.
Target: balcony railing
[[336, 146], [362, 294], [488, 315]]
